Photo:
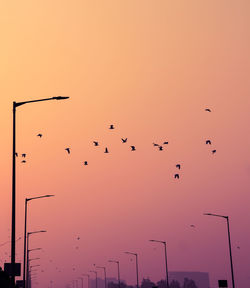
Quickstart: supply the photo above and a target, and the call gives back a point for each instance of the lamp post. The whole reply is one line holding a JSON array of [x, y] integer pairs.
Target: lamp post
[[28, 251], [166, 263], [81, 280], [105, 275], [118, 270], [95, 277], [87, 275], [229, 243], [136, 258], [13, 221], [25, 233]]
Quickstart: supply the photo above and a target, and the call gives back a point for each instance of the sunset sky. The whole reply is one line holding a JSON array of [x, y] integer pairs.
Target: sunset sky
[[150, 67]]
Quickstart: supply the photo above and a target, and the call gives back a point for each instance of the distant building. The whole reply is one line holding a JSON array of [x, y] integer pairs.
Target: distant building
[[201, 279]]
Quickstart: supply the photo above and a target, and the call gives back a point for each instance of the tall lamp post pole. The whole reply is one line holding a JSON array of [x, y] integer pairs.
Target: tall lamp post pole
[[166, 263], [229, 243], [13, 221], [28, 268], [87, 275], [137, 273], [25, 234], [118, 270], [95, 277], [105, 275]]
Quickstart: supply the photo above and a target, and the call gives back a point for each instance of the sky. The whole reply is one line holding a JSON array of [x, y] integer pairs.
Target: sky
[[150, 68]]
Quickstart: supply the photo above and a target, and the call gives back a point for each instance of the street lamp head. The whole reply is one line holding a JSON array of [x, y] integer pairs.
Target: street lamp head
[[61, 97]]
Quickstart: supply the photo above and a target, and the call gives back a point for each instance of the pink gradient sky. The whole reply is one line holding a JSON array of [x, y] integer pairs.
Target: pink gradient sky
[[150, 68]]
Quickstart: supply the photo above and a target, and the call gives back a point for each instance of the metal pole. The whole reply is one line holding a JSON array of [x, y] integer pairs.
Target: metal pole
[[13, 229], [167, 281], [119, 280], [230, 252], [96, 280], [27, 266], [24, 250], [105, 277], [137, 273]]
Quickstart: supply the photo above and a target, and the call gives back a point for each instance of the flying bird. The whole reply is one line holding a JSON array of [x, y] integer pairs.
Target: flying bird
[[160, 148], [111, 126], [16, 154], [213, 151], [238, 247], [39, 135], [68, 150], [176, 176], [106, 150], [132, 148], [85, 163], [96, 143], [193, 226], [24, 161], [165, 143], [155, 144], [23, 155], [78, 238], [208, 110], [178, 166], [124, 140], [208, 142]]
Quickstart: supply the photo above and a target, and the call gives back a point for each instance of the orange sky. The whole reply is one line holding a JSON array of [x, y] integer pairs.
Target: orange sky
[[150, 68]]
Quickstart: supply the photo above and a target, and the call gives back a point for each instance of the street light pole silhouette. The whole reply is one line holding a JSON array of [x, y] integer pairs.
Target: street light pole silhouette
[[25, 233], [13, 221], [87, 275], [137, 273], [166, 263], [81, 280], [105, 275], [95, 277], [229, 242], [28, 251], [118, 270]]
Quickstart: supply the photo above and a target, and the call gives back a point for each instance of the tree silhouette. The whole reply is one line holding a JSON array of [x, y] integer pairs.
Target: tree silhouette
[[175, 284], [147, 283], [189, 283]]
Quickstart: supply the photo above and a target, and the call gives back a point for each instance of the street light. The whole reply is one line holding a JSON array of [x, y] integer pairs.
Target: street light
[[105, 275], [81, 280], [95, 277], [229, 242], [25, 234], [28, 251], [166, 263], [13, 222], [118, 270], [136, 258], [87, 275]]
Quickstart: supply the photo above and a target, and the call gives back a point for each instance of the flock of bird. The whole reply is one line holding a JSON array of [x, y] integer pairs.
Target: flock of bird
[[160, 147]]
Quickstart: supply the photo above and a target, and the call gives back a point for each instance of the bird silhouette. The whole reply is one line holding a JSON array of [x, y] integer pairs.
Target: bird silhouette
[[165, 143], [111, 126], [160, 148], [193, 226], [238, 247], [124, 140], [132, 148], [208, 110], [68, 150], [96, 143], [106, 150], [178, 166], [78, 238], [23, 155], [176, 176], [155, 144], [208, 142], [213, 151], [24, 161], [39, 135], [85, 163], [16, 154]]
